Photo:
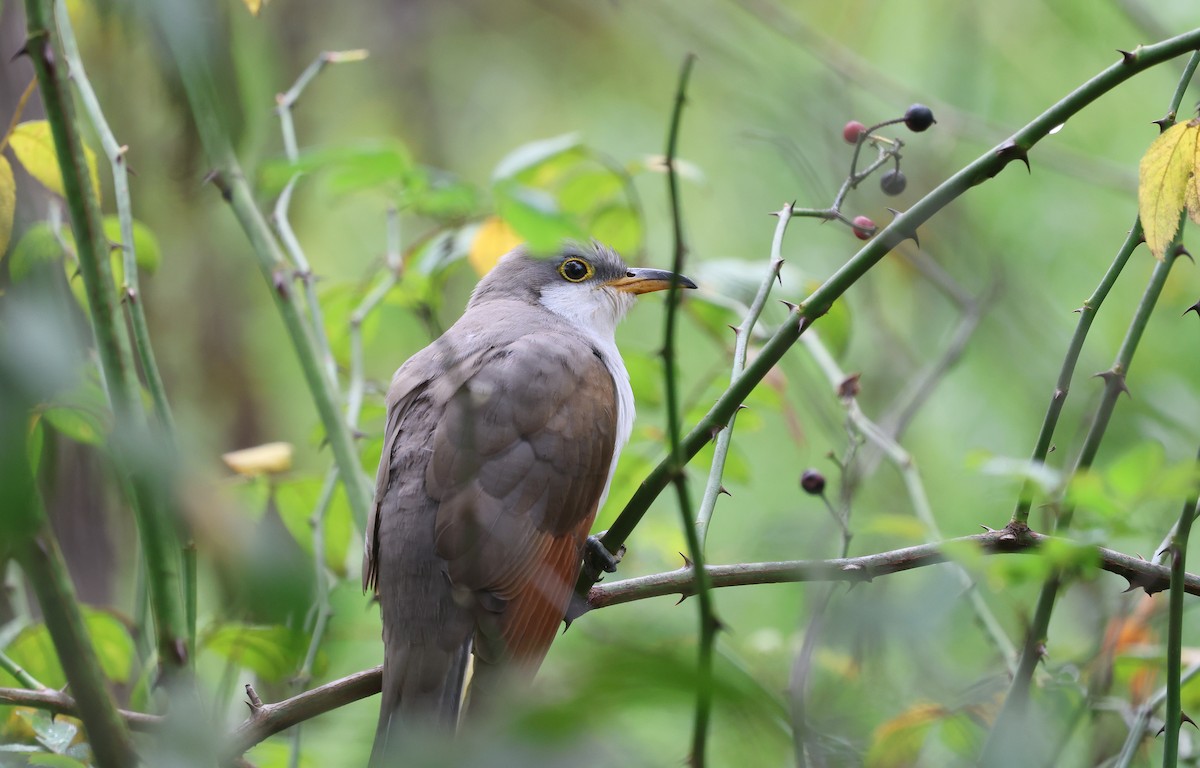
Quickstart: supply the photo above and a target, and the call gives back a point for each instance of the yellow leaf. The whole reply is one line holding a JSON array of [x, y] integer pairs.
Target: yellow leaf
[[494, 239], [33, 145], [254, 6], [268, 458], [897, 743], [1163, 181], [8, 203]]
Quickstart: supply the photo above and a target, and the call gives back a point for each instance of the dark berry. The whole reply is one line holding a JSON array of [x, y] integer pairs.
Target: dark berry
[[812, 482], [852, 130], [863, 227], [893, 182], [918, 118]]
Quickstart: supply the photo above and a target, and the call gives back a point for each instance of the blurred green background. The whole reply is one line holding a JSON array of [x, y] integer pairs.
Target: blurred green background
[[448, 91]]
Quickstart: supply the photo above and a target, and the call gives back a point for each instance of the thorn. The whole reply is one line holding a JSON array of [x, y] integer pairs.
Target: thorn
[[989, 530], [1110, 376], [1077, 311], [687, 563], [255, 703], [682, 597], [913, 235], [22, 51], [1164, 123], [1194, 308], [1180, 250], [791, 307], [725, 491], [279, 280], [1187, 719], [1127, 57], [849, 387], [1059, 394], [715, 430], [1010, 150], [1053, 448], [741, 407], [736, 331], [215, 178]]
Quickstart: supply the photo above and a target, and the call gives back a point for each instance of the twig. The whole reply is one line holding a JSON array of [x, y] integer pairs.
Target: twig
[[392, 274], [707, 616], [903, 226], [866, 568], [132, 442], [268, 719], [179, 23], [60, 703], [284, 104], [907, 467], [743, 333]]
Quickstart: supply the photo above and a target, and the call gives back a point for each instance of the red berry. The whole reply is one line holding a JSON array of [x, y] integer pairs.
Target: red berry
[[864, 228], [852, 131]]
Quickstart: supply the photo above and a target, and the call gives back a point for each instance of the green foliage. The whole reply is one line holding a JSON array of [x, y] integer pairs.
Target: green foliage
[[34, 650], [273, 653]]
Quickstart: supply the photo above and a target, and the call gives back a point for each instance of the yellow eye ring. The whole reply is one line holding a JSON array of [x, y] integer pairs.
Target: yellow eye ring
[[575, 270]]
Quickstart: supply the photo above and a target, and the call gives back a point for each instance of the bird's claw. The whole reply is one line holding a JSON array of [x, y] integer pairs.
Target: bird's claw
[[599, 557]]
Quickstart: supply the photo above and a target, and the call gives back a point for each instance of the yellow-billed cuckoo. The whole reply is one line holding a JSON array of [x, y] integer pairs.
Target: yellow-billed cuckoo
[[500, 444]]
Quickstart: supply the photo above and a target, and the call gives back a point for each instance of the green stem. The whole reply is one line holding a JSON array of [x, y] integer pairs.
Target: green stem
[[43, 564], [1008, 722], [9, 665], [1087, 313], [1178, 550], [677, 459], [903, 226], [179, 22], [133, 446]]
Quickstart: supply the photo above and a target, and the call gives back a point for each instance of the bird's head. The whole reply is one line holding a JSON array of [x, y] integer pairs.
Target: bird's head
[[588, 285]]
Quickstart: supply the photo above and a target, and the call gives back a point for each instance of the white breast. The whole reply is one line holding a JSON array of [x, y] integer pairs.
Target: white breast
[[596, 313]]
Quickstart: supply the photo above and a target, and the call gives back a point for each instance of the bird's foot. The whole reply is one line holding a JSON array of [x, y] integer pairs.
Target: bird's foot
[[598, 557]]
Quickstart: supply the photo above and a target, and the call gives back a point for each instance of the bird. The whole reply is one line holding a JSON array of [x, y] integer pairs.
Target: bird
[[500, 444]]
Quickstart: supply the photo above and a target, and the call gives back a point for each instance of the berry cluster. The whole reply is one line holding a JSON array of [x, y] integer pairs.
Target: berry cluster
[[918, 118]]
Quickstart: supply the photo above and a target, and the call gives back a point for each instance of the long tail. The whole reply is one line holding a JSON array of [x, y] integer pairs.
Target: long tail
[[421, 688]]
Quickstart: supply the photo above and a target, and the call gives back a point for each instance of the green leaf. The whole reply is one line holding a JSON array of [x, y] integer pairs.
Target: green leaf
[[33, 145], [296, 500], [78, 424], [618, 226], [528, 156], [55, 735], [34, 444], [8, 203], [56, 761], [351, 167], [1162, 183], [272, 652], [34, 650], [535, 216], [39, 245]]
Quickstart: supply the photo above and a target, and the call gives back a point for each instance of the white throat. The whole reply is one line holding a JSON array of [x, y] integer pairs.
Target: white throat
[[596, 312]]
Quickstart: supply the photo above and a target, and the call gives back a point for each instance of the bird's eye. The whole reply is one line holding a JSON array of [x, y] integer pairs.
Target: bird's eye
[[575, 270]]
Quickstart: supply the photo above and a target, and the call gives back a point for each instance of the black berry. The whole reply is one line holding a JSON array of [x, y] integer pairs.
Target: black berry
[[812, 482], [893, 182], [918, 118]]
